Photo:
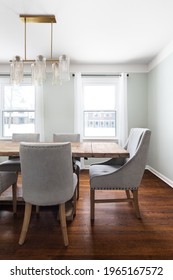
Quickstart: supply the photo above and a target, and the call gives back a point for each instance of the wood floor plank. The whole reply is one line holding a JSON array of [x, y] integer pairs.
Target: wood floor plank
[[115, 234]]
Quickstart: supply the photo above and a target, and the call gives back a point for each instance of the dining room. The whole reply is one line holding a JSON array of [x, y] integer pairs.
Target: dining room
[[110, 89]]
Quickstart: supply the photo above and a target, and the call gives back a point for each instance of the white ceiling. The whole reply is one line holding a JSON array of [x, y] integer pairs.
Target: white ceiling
[[89, 31]]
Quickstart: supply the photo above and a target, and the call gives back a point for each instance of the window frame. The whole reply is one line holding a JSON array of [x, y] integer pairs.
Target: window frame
[[99, 81], [5, 82]]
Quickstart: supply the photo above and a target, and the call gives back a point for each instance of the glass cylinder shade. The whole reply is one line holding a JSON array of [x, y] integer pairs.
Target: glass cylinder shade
[[38, 70], [64, 68], [16, 70], [55, 73]]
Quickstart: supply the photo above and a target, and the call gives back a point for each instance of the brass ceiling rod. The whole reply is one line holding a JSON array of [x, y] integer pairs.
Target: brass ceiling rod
[[28, 18]]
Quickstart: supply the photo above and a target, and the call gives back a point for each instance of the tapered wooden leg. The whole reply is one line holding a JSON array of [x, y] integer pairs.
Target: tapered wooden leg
[[14, 191], [92, 204], [63, 223], [74, 202], [128, 193], [136, 204], [27, 216], [77, 173]]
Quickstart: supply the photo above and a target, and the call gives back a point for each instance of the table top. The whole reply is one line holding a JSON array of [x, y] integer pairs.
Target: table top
[[79, 149]]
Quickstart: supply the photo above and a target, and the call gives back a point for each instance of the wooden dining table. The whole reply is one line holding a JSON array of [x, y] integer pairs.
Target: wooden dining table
[[88, 149]]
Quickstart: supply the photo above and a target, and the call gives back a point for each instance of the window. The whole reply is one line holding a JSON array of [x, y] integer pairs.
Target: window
[[100, 108], [17, 109]]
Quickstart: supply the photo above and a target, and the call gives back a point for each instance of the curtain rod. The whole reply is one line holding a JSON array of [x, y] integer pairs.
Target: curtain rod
[[8, 75], [100, 75]]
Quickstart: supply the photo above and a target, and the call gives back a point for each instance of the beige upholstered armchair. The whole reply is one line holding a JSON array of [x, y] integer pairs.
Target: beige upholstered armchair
[[47, 179], [122, 174]]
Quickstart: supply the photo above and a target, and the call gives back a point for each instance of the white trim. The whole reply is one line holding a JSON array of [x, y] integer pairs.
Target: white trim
[[90, 68], [161, 176], [164, 53], [108, 68]]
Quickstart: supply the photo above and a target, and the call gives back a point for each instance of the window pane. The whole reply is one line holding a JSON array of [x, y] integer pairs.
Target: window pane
[[99, 97], [99, 108], [16, 98], [17, 122], [99, 123]]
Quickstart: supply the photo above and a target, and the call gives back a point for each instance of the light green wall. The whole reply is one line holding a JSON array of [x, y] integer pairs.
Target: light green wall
[[58, 108], [160, 117], [59, 104], [137, 100]]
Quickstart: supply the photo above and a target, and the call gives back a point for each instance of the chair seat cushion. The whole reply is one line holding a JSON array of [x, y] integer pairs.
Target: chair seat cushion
[[11, 165], [99, 170], [106, 177], [6, 180]]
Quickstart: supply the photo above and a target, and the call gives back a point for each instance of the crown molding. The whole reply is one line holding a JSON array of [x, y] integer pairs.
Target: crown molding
[[91, 68], [164, 53]]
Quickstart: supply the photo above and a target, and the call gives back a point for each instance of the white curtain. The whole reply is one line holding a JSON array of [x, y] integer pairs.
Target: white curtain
[[78, 117], [122, 129], [78, 104], [39, 126]]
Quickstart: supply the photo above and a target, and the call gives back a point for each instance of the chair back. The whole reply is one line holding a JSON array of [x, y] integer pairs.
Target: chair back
[[137, 146], [47, 175], [26, 137], [137, 137], [66, 137]]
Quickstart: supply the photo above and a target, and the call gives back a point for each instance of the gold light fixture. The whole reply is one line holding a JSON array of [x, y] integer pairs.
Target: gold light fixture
[[60, 66]]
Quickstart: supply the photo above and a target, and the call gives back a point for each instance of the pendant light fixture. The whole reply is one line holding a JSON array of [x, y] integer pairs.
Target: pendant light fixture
[[60, 66]]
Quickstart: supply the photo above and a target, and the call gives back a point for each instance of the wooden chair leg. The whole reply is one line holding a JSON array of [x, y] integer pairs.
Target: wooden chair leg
[[136, 204], [14, 191], [77, 173], [92, 204], [128, 193], [74, 202], [63, 223], [27, 216]]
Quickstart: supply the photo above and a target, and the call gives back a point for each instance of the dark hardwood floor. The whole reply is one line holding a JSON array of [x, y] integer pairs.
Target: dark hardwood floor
[[115, 234]]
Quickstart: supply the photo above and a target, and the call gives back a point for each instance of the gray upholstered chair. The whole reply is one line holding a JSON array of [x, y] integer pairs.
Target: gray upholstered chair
[[26, 137], [47, 179], [122, 174], [13, 163], [70, 137], [8, 179]]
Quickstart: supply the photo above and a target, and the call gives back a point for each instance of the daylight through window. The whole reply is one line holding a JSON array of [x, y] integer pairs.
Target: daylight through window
[[99, 108], [18, 109]]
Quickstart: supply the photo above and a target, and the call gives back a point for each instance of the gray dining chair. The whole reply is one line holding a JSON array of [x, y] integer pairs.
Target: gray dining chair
[[47, 179], [70, 137], [121, 174], [13, 163], [8, 179]]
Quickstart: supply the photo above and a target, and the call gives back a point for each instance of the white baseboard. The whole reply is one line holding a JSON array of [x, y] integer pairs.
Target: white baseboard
[[161, 176]]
